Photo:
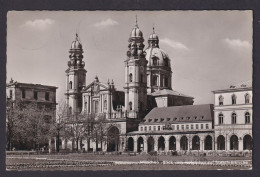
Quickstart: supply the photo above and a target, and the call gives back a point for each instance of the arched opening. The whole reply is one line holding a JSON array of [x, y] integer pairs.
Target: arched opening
[[184, 143], [247, 142], [113, 139], [130, 77], [247, 98], [130, 144], [196, 143], [234, 99], [172, 143], [221, 100], [234, 118], [150, 144], [130, 105], [208, 143], [220, 119], [161, 144], [140, 144], [247, 118], [233, 142], [221, 142]]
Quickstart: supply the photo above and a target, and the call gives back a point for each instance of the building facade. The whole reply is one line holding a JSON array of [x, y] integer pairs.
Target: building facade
[[233, 117]]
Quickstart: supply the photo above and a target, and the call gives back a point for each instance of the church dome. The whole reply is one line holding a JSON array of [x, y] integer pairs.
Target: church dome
[[153, 36], [156, 56], [76, 44], [136, 32]]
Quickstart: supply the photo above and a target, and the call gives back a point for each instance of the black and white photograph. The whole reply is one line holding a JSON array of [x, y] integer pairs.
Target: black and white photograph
[[129, 90]]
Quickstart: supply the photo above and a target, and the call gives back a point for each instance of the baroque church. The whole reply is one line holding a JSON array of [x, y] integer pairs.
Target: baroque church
[[148, 115]]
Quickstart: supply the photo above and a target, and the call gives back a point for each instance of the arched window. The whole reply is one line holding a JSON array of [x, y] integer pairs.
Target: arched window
[[154, 61], [105, 105], [220, 119], [130, 106], [221, 100], [247, 118], [234, 118], [130, 77], [247, 99], [155, 80], [166, 81], [234, 99], [70, 84]]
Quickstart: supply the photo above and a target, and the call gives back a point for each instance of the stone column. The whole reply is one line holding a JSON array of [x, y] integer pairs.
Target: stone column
[[55, 144], [156, 144], [240, 144], [202, 144], [166, 144], [50, 146], [178, 144], [135, 145], [145, 145], [227, 145]]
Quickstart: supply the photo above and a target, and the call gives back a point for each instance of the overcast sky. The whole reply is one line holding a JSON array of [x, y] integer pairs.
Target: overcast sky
[[209, 50]]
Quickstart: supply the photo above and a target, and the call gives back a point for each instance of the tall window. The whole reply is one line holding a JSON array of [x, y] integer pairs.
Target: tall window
[[220, 119], [154, 61], [247, 99], [155, 80], [47, 96], [177, 127], [35, 95], [234, 118], [105, 105], [234, 99], [130, 77], [221, 100], [182, 127], [70, 84], [130, 105], [23, 93], [166, 81], [159, 128], [202, 126], [207, 126], [191, 126], [197, 126], [247, 118]]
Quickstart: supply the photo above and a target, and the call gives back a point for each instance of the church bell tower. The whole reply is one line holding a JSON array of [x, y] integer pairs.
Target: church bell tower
[[75, 77], [135, 76]]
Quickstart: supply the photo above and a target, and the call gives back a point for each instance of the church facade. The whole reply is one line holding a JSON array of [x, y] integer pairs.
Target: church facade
[[148, 115]]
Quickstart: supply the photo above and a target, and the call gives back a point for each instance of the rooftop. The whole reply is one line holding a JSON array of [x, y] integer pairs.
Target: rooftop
[[169, 92]]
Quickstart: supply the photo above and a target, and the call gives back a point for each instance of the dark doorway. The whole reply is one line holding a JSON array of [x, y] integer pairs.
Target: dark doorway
[[113, 139], [130, 144]]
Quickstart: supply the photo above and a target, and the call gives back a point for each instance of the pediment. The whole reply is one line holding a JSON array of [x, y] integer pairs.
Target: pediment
[[96, 86]]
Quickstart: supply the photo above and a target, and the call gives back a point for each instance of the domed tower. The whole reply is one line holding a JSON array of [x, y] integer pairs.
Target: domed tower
[[75, 76], [159, 73], [135, 75]]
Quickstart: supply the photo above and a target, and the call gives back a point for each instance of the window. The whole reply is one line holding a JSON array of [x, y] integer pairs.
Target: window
[[141, 128], [159, 128], [149, 120], [70, 84], [150, 128], [145, 128], [154, 128], [191, 126], [173, 127], [96, 104], [155, 120], [177, 127], [154, 61], [162, 119], [220, 119], [247, 99], [202, 126], [23, 93], [221, 100], [187, 127], [188, 118], [130, 77], [182, 127], [233, 99], [155, 80], [166, 81], [234, 118], [247, 118], [11, 93], [168, 119], [207, 126], [195, 117], [197, 126], [47, 96], [105, 105], [130, 106], [35, 95]]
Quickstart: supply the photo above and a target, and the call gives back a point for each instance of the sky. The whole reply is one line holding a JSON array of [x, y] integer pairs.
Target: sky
[[209, 50]]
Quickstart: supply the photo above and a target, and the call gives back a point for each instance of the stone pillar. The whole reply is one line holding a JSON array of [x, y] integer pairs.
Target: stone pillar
[[55, 144], [50, 146], [156, 144], [227, 145], [240, 144], [202, 144], [145, 146], [135, 145], [166, 144], [178, 144]]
